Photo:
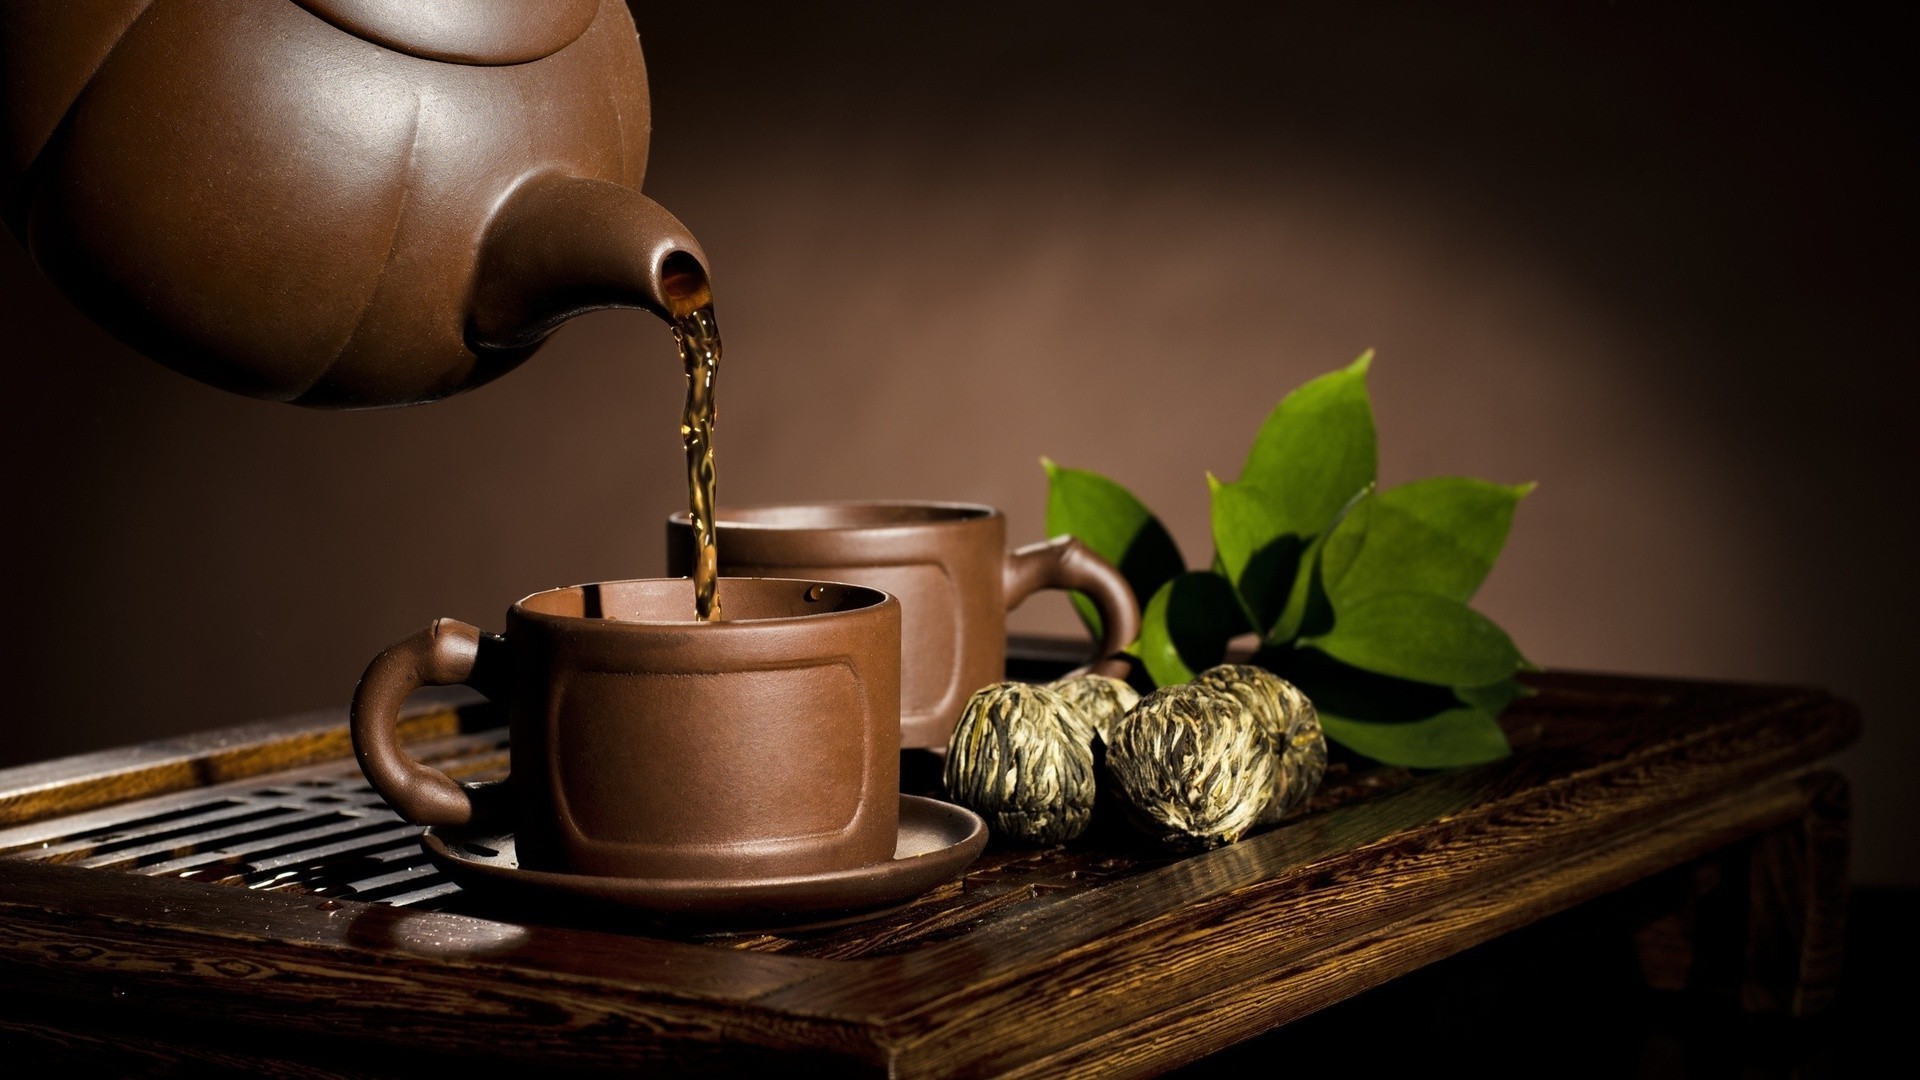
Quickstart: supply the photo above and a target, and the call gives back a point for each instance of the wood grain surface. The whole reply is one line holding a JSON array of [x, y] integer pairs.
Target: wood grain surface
[[194, 941], [110, 777]]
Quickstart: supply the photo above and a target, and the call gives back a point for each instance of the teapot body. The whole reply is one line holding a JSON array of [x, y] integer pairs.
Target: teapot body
[[291, 199]]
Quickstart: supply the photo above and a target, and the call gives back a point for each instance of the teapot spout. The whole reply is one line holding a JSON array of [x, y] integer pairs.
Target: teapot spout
[[563, 245]]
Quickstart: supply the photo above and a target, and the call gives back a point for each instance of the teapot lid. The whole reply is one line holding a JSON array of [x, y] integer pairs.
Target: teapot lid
[[463, 31]]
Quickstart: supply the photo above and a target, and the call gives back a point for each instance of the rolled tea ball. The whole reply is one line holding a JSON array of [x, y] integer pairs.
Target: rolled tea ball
[[1303, 752], [1290, 721], [1022, 758], [1102, 699], [1193, 766]]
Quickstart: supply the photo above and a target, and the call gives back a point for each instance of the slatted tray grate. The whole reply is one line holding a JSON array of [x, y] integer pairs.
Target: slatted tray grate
[[318, 830]]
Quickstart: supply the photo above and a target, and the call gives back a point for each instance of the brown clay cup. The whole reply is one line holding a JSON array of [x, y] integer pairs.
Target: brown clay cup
[[949, 565], [646, 744]]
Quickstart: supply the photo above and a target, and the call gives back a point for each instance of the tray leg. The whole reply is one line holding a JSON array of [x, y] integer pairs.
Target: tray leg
[[1762, 924]]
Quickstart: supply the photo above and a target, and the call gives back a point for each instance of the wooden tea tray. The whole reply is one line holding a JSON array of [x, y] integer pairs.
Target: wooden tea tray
[[241, 900]]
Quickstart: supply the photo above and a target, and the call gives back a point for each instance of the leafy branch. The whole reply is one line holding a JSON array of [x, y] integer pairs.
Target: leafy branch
[[1359, 596]]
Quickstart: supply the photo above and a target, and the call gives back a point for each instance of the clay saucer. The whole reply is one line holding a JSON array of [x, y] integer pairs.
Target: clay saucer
[[937, 840]]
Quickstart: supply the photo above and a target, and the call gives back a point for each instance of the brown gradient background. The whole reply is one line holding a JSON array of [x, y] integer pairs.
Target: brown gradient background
[[1661, 260]]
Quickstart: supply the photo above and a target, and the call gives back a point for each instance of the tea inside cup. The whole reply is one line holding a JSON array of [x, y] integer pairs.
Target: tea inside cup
[[670, 600]]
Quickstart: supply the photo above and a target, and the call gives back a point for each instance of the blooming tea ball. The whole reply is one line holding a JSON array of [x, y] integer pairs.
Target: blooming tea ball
[[1193, 765], [1290, 721], [1022, 758], [1102, 699]]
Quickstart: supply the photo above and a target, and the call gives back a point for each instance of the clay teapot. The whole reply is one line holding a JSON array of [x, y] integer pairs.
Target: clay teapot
[[337, 203]]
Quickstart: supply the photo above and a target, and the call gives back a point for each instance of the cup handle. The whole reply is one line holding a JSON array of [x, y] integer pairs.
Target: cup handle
[[448, 653], [1066, 563]]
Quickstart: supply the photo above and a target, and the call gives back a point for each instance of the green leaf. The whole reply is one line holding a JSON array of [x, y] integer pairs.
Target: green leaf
[[1494, 697], [1186, 626], [1308, 610], [1252, 548], [1421, 637], [1438, 536], [1347, 691], [1394, 720], [1316, 449], [1118, 527], [1462, 736], [1306, 604]]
